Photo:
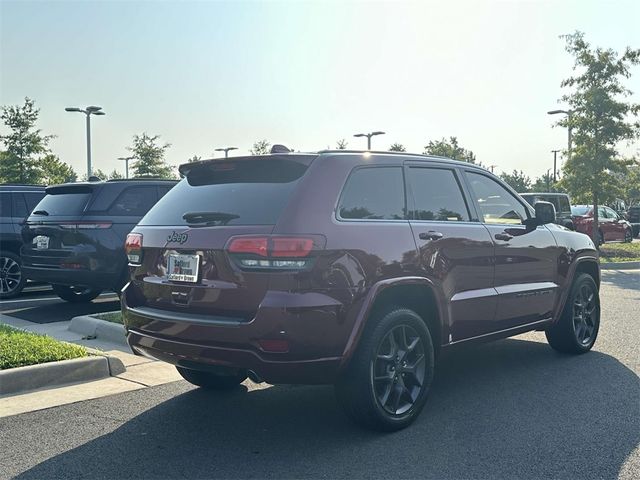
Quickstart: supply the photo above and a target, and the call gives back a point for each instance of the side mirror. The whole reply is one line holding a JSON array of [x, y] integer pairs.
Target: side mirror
[[545, 213]]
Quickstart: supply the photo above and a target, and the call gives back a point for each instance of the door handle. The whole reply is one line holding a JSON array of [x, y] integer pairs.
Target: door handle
[[503, 236], [430, 235]]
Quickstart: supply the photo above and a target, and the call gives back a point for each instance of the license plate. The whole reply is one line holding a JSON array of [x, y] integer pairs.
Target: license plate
[[183, 268], [42, 242]]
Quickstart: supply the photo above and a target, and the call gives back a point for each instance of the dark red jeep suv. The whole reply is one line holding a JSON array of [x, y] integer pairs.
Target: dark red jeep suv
[[349, 268]]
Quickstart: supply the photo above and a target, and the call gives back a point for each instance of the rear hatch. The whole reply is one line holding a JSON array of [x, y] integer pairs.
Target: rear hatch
[[205, 248], [57, 229]]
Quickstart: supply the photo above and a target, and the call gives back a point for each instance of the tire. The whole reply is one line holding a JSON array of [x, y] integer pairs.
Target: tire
[[628, 236], [76, 294], [386, 384], [577, 329], [600, 238], [12, 281], [213, 381]]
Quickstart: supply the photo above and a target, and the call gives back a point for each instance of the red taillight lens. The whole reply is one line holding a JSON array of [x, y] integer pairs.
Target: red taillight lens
[[133, 247], [255, 245], [274, 252], [291, 247]]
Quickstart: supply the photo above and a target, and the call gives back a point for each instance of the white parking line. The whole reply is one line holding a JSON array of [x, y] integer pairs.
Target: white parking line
[[4, 302]]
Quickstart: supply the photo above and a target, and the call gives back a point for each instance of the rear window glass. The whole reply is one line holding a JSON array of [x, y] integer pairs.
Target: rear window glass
[[5, 204], [580, 210], [63, 203], [248, 192], [374, 193]]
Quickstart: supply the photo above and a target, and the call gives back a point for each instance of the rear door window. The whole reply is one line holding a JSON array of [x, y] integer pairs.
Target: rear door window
[[373, 193], [134, 201], [246, 192], [436, 195]]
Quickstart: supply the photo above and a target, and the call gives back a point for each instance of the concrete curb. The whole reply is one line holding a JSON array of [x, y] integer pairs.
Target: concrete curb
[[619, 265], [94, 327], [54, 374]]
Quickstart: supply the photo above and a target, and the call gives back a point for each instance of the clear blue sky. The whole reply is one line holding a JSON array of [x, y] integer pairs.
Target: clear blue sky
[[210, 74]]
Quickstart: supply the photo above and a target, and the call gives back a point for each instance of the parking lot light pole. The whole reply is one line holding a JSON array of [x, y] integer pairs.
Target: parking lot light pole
[[555, 153], [88, 111], [126, 165], [368, 135], [568, 113], [226, 150]]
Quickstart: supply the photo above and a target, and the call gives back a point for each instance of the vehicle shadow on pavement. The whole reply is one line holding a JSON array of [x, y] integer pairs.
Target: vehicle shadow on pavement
[[63, 311], [511, 409], [626, 279]]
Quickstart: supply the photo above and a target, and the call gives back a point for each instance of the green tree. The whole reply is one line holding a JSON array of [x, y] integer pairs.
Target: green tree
[[631, 184], [397, 147], [53, 170], [149, 156], [24, 144], [115, 175], [520, 182], [195, 158], [341, 144], [261, 147], [601, 118], [544, 184], [450, 149]]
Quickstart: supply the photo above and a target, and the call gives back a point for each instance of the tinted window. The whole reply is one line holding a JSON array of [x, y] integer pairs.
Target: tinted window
[[497, 204], [611, 213], [436, 195], [163, 189], [64, 203], [133, 201], [248, 192], [5, 204], [580, 210], [374, 193], [19, 205], [602, 213], [32, 199], [563, 202]]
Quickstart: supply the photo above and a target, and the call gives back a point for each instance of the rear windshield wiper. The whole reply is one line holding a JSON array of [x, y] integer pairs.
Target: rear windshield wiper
[[40, 212], [209, 218]]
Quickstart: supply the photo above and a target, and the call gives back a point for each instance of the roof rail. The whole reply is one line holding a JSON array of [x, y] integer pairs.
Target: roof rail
[[143, 179]]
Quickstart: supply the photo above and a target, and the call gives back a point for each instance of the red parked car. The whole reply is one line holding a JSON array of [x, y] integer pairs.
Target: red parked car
[[611, 226]]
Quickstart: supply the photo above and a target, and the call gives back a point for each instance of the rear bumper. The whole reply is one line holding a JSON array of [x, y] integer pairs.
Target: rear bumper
[[70, 277], [315, 333], [316, 371]]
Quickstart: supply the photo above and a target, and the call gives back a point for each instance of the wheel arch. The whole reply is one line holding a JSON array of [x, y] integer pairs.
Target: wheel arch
[[416, 293], [586, 264]]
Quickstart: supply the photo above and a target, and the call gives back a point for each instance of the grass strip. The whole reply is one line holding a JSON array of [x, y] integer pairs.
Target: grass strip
[[19, 348], [620, 252]]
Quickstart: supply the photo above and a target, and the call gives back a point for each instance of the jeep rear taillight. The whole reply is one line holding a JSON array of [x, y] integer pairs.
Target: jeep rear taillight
[[271, 252], [133, 248]]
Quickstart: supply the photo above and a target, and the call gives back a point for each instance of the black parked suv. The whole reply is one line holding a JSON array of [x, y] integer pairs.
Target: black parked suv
[[560, 201], [16, 201], [633, 215], [74, 237]]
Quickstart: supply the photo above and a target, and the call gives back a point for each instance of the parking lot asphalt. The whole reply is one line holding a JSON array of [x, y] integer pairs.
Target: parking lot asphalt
[[508, 409], [39, 304]]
